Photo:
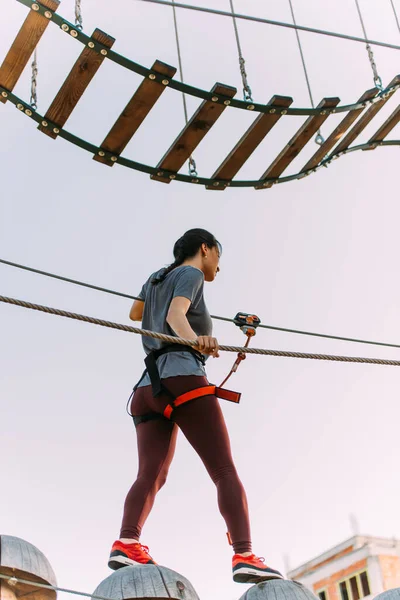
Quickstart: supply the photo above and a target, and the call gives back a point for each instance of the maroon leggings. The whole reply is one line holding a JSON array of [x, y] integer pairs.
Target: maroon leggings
[[203, 425]]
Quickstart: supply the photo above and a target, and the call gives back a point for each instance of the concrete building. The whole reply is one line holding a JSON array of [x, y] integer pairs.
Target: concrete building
[[358, 568]]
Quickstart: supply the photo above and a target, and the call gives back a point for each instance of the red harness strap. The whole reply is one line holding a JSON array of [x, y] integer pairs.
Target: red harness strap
[[209, 390]]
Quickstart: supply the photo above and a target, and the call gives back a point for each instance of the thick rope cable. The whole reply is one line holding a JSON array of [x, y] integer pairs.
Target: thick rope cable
[[395, 15], [216, 317], [192, 162], [224, 13], [377, 79], [35, 72], [247, 94], [12, 581], [319, 139], [177, 340]]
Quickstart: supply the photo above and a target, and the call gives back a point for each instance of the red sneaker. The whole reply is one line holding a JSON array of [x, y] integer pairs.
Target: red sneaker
[[251, 569], [123, 555]]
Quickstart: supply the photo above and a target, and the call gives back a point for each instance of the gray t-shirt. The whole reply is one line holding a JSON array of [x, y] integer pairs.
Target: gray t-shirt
[[183, 281]]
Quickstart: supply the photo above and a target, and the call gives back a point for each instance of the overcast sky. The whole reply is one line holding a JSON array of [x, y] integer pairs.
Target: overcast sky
[[313, 441]]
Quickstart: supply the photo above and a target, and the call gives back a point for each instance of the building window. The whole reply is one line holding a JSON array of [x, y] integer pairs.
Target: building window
[[355, 587], [323, 595], [343, 590], [365, 583]]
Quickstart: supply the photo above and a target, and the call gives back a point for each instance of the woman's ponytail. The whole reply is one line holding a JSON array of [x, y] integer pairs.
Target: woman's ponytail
[[187, 247]]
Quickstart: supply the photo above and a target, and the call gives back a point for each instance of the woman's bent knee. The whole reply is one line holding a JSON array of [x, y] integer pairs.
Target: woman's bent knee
[[223, 472]]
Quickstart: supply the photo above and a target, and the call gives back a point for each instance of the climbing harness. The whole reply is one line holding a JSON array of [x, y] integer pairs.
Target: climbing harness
[[158, 387], [247, 323]]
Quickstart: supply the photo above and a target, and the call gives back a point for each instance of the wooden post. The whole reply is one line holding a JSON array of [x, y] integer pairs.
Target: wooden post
[[279, 589], [22, 560], [146, 582]]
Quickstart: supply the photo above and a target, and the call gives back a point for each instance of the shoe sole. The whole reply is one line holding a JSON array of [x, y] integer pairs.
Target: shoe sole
[[118, 562], [248, 575]]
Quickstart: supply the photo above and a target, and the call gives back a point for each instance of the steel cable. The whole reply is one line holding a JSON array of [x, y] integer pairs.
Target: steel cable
[[377, 79], [247, 94], [216, 317], [176, 340], [395, 15], [223, 13], [192, 162], [319, 139]]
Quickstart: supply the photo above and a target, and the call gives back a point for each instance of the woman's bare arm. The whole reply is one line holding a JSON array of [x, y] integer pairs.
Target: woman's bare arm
[[177, 320], [136, 313]]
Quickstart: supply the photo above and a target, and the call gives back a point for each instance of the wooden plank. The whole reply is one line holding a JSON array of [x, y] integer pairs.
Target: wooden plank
[[76, 83], [190, 137], [339, 131], [364, 120], [387, 127], [249, 142], [24, 44], [134, 113], [297, 143]]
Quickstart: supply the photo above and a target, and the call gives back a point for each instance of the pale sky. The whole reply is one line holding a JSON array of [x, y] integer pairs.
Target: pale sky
[[313, 441]]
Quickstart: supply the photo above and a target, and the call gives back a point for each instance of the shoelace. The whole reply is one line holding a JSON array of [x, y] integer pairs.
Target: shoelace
[[145, 549]]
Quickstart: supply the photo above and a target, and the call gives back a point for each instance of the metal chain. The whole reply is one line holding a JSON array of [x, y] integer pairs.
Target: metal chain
[[78, 15], [247, 94], [35, 71], [377, 79], [395, 15], [319, 139], [192, 162], [193, 343]]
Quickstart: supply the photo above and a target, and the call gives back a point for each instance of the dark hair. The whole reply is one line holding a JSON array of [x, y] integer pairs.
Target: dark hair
[[186, 247]]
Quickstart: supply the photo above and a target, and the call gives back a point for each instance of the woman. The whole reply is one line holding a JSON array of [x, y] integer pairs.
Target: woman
[[172, 302]]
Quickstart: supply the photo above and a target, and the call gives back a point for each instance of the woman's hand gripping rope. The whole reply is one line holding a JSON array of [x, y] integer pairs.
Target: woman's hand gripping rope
[[208, 345]]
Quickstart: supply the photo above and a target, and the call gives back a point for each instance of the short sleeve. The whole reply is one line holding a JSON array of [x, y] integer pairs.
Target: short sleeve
[[189, 284], [142, 295]]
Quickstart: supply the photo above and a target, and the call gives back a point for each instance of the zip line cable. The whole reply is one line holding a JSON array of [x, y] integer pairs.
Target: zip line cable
[[395, 15], [192, 162], [177, 340], [224, 13], [247, 95], [216, 317], [319, 139]]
